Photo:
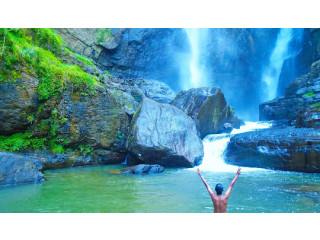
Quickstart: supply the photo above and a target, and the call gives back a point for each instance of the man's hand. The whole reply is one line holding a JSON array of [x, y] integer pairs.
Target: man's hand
[[199, 173], [239, 171]]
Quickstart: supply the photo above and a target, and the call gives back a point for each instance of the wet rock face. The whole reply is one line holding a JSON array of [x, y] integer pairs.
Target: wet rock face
[[89, 41], [131, 92], [16, 169], [302, 93], [289, 149], [96, 120], [208, 108], [309, 118], [18, 102], [163, 134]]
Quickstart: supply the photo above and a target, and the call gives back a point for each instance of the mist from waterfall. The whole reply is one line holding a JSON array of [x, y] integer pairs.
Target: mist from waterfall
[[194, 70], [281, 51]]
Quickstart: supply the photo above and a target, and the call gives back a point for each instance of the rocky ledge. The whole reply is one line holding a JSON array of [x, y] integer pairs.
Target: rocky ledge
[[301, 103], [289, 149]]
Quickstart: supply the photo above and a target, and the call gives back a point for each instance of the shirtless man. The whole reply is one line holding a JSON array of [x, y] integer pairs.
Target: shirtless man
[[220, 201]]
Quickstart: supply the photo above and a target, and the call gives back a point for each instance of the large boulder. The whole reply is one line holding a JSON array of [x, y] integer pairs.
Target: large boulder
[[16, 169], [208, 108], [290, 149], [18, 103], [163, 134]]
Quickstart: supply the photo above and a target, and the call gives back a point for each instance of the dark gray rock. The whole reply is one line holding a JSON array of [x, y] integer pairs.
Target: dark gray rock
[[18, 104], [163, 134], [56, 161], [309, 118], [289, 149], [108, 157], [16, 169], [143, 169], [208, 108], [131, 92]]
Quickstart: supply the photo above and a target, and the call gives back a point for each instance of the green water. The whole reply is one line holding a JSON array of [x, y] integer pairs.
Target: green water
[[94, 189]]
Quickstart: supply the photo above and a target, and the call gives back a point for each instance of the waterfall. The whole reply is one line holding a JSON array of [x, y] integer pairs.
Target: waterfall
[[280, 53], [215, 145], [195, 73]]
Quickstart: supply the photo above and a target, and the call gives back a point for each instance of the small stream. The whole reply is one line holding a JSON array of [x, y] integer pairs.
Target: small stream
[[94, 189]]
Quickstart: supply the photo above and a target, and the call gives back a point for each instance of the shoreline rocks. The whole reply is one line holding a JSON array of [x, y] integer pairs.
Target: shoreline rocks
[[289, 149], [17, 169]]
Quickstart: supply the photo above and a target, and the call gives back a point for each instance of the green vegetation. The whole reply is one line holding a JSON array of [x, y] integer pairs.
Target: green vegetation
[[38, 52], [100, 34], [49, 127], [316, 105], [85, 149], [21, 141], [35, 49], [80, 57], [309, 94]]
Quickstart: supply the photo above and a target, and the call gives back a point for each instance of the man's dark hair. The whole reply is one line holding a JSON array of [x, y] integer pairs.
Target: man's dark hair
[[219, 189]]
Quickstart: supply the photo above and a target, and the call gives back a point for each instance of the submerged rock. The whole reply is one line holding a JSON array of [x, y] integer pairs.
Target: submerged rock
[[16, 169], [141, 169], [289, 149], [209, 109], [163, 134]]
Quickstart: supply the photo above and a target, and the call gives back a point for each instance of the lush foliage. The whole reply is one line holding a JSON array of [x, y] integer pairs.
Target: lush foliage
[[80, 57], [21, 141], [36, 49]]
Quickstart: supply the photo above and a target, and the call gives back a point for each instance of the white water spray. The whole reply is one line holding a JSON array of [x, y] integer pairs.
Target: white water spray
[[215, 145], [196, 76], [280, 53]]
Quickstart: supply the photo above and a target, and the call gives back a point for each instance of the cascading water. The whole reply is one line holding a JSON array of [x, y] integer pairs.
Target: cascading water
[[195, 62], [215, 145], [280, 53]]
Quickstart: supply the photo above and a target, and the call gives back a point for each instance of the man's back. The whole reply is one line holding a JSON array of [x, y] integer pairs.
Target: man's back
[[220, 201], [220, 204]]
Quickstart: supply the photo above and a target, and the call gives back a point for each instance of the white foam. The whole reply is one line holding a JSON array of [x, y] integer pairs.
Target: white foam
[[215, 145]]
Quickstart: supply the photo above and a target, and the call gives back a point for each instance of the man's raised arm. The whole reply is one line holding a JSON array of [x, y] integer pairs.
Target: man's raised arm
[[206, 184], [232, 183]]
